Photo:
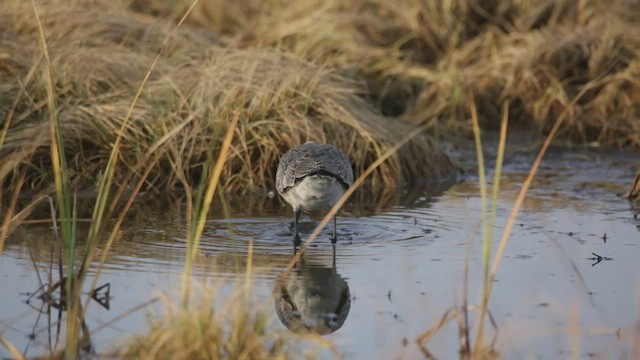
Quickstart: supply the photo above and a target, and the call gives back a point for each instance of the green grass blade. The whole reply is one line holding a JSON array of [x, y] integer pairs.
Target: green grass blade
[[201, 215], [488, 236], [61, 182]]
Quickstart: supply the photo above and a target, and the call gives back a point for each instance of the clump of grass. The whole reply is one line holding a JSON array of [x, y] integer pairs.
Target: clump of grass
[[73, 274], [101, 52], [236, 328], [540, 71], [420, 58]]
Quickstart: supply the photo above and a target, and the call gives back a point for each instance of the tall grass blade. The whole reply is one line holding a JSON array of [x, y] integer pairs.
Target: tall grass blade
[[12, 349], [105, 182], [8, 217], [520, 199], [486, 242], [200, 216], [496, 180], [488, 236], [483, 182], [63, 198]]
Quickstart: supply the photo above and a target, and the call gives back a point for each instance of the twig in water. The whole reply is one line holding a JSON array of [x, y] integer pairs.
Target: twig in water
[[597, 258]]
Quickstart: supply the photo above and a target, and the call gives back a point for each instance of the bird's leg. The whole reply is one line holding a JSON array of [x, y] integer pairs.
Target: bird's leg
[[296, 236], [334, 255], [295, 248], [334, 238]]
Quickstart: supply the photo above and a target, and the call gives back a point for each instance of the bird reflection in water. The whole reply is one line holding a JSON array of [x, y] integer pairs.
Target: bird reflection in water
[[313, 297]]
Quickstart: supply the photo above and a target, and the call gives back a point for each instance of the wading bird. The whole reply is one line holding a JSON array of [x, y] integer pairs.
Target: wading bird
[[312, 177]]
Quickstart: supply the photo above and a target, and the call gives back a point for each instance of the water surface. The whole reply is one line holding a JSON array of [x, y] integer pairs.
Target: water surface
[[397, 268]]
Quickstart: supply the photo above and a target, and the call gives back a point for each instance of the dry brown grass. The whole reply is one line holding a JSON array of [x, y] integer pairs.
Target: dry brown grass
[[420, 57], [299, 70], [100, 52], [236, 328]]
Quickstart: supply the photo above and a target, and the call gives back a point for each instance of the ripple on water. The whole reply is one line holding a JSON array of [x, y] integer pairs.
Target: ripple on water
[[400, 256], [367, 237]]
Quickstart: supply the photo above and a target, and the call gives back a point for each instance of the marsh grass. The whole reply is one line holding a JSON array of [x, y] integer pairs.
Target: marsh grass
[[320, 70], [420, 58], [117, 188], [71, 289], [488, 217], [238, 327], [101, 52], [479, 349], [70, 292]]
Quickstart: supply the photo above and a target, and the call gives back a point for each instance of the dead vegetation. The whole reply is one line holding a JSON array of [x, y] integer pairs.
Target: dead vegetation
[[421, 57], [101, 51], [359, 75], [214, 329]]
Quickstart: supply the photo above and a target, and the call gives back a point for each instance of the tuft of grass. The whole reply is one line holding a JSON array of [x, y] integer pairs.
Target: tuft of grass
[[488, 220], [71, 289], [421, 57], [101, 52], [236, 328], [71, 279]]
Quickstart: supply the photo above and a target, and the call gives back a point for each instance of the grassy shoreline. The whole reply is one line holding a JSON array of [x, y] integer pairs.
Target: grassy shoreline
[[185, 107], [359, 75], [420, 58]]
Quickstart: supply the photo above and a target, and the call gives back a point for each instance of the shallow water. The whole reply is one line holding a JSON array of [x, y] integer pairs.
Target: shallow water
[[397, 268]]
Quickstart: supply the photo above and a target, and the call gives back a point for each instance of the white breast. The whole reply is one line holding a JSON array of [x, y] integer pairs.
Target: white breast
[[314, 193]]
